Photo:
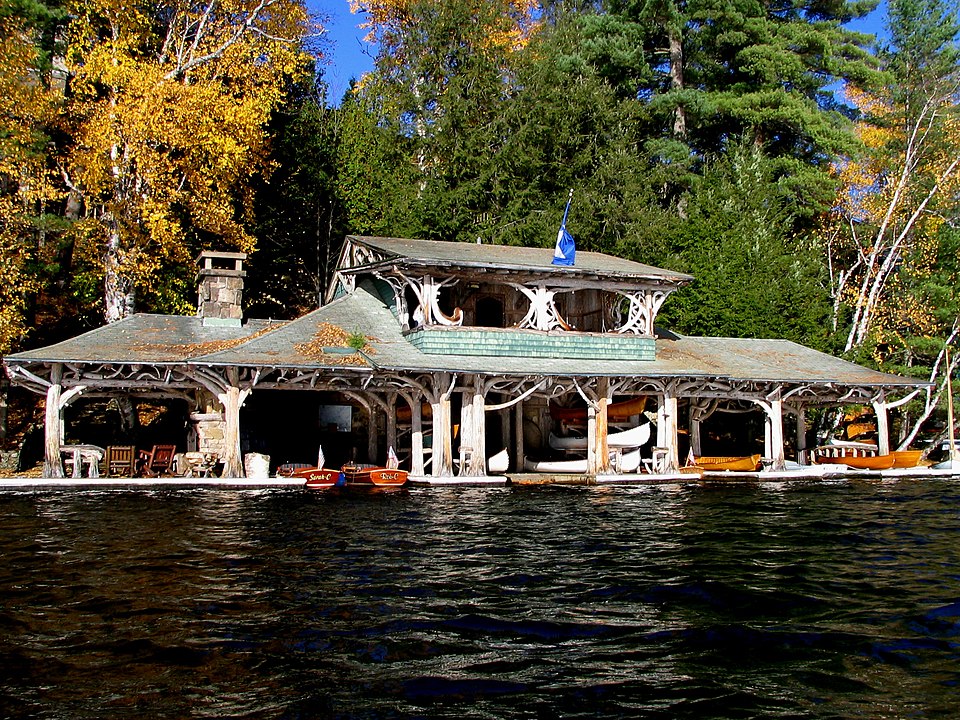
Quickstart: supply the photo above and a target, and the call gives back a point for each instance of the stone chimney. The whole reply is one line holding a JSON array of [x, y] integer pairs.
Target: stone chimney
[[220, 279]]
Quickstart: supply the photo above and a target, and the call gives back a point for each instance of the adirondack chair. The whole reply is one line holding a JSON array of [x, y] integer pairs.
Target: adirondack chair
[[121, 461], [158, 461]]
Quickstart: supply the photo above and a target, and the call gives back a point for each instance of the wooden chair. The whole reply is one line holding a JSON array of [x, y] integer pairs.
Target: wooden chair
[[121, 461], [158, 461]]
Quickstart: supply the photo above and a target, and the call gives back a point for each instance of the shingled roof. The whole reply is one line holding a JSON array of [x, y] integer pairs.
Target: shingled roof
[[435, 253]]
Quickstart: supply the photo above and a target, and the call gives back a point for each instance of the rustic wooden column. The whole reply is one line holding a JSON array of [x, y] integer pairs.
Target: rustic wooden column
[[478, 459], [883, 427], [442, 430], [518, 448], [391, 415], [696, 442], [466, 432], [602, 452], [767, 437], [232, 462], [53, 425], [592, 465], [775, 423], [801, 436], [416, 437], [373, 436], [473, 433], [667, 428]]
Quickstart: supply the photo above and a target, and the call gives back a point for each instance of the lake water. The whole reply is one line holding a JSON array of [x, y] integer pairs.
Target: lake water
[[802, 600]]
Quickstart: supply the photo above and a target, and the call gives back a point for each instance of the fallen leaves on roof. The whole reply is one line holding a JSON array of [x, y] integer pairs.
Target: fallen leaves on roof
[[191, 350], [330, 336]]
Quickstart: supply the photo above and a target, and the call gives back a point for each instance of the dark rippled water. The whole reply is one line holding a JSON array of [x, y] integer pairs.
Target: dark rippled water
[[776, 601]]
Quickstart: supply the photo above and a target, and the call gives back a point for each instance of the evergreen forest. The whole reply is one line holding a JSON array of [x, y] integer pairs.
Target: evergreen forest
[[806, 174]]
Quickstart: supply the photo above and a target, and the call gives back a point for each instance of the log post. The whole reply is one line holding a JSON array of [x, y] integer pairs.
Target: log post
[[53, 425], [518, 437], [442, 429], [775, 423], [883, 427], [372, 433], [802, 436], [232, 462], [478, 460], [416, 437], [602, 427], [667, 421], [392, 421], [466, 432], [593, 467], [696, 441]]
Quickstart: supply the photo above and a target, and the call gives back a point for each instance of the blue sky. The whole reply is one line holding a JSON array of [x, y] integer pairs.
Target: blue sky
[[350, 57]]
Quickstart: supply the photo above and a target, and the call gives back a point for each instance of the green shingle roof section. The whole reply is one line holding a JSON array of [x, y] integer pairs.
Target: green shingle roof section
[[497, 342], [437, 253]]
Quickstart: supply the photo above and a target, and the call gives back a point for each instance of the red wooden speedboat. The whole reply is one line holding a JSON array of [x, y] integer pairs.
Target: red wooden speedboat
[[315, 478], [373, 475]]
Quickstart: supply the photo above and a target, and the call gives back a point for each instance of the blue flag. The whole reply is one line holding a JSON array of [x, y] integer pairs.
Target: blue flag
[[566, 250]]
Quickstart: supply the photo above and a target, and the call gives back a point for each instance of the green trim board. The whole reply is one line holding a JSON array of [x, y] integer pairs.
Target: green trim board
[[531, 343]]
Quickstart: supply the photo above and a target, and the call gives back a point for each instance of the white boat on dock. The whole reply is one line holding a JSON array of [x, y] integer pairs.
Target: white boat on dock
[[631, 438], [629, 462]]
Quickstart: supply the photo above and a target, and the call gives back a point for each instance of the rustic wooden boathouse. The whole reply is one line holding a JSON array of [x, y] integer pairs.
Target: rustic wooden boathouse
[[450, 353]]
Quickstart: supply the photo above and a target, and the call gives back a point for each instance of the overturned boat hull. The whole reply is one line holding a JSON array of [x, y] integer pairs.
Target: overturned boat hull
[[632, 438], [629, 463]]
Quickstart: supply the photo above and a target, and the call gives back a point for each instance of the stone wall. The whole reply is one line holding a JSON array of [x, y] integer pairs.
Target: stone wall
[[210, 432]]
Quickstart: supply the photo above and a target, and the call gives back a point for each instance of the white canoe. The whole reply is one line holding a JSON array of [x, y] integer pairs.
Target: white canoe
[[629, 462], [498, 463], [632, 438]]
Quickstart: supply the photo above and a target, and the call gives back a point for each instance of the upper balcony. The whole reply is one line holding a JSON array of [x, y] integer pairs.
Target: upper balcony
[[464, 299]]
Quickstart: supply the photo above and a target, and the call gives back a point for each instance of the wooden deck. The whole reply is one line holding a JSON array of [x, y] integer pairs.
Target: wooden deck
[[811, 473]]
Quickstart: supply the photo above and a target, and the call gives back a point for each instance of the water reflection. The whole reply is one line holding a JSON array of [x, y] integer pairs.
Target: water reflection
[[804, 600]]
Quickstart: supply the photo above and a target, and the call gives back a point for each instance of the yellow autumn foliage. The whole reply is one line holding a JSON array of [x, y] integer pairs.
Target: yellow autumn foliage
[[172, 102], [891, 205], [26, 107]]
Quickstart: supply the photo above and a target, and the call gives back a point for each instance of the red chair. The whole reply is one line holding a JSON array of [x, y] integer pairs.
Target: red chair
[[157, 462]]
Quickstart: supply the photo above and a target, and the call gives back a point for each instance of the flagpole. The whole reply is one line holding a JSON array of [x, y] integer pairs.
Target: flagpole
[[567, 209]]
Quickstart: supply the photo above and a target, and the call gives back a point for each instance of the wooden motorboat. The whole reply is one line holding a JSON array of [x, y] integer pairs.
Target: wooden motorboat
[[859, 462], [741, 463], [906, 458], [315, 478], [320, 479], [629, 462], [616, 412], [632, 438], [373, 475]]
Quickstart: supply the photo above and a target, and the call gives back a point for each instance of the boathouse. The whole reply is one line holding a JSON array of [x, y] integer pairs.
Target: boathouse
[[465, 359]]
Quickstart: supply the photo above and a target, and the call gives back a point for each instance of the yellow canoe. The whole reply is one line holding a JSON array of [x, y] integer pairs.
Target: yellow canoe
[[743, 463]]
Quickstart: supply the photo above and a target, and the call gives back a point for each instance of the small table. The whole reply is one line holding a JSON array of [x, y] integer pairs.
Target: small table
[[79, 454], [198, 464]]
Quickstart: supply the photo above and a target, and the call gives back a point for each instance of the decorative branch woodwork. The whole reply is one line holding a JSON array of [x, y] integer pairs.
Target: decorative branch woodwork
[[542, 314], [641, 313]]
